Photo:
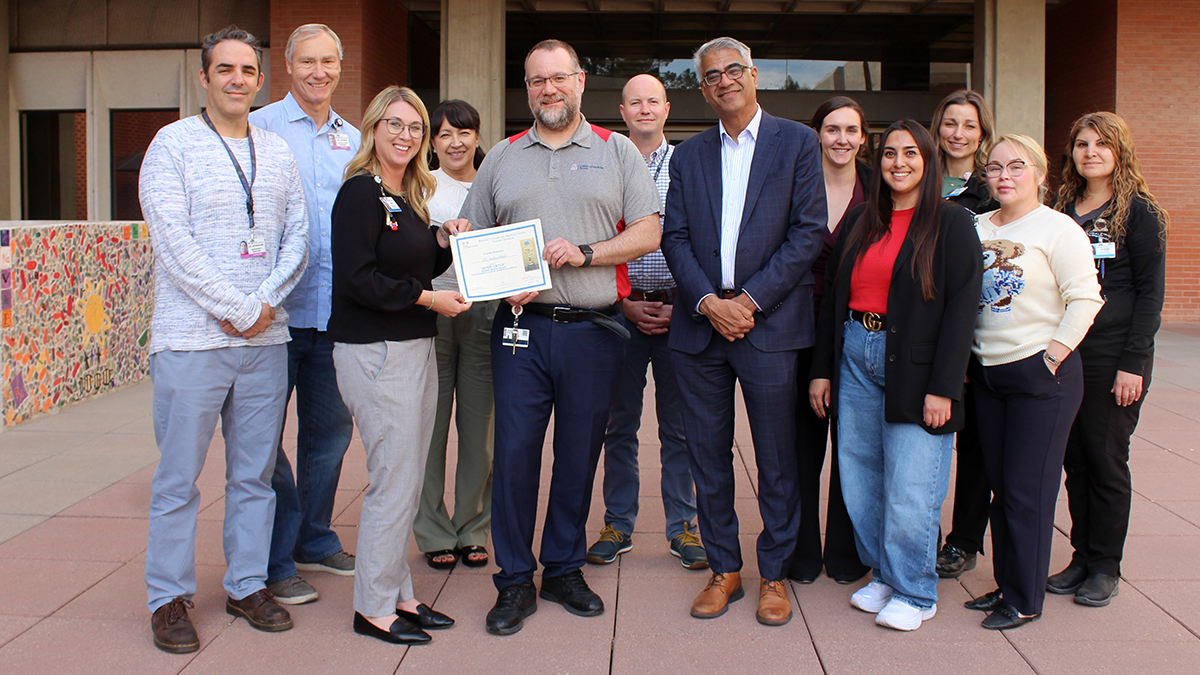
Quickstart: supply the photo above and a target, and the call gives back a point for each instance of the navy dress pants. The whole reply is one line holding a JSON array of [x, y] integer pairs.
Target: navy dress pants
[[706, 387], [570, 370]]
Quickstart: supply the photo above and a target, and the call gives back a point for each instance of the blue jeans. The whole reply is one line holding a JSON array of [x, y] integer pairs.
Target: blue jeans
[[304, 505], [621, 476], [894, 476]]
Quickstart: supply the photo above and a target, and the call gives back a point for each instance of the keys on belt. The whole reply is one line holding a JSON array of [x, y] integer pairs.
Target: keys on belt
[[869, 320]]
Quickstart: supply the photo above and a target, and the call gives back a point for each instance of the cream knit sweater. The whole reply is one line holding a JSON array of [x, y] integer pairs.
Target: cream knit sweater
[[1039, 284]]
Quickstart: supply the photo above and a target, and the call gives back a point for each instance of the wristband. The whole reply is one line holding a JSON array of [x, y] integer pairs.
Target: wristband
[[432, 299], [1050, 359]]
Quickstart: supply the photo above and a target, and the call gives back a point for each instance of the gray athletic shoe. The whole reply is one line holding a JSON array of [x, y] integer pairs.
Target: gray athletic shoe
[[293, 591], [340, 563]]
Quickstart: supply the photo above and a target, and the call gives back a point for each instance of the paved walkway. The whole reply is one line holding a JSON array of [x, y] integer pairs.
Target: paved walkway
[[74, 490]]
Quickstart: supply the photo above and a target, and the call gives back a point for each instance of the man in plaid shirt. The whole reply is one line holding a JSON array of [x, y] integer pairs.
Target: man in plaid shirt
[[644, 107]]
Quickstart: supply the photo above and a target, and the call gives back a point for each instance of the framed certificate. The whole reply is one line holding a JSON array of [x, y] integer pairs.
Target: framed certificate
[[500, 261]]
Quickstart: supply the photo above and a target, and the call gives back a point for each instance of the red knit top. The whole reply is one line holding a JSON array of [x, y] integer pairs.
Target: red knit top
[[872, 275]]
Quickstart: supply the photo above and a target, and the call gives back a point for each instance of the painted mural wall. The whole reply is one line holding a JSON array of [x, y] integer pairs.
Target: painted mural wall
[[75, 307]]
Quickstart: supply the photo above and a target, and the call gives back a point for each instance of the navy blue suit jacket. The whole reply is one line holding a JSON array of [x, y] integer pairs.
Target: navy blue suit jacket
[[782, 230]]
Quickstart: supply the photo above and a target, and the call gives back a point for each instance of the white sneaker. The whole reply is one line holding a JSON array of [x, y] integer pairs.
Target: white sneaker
[[900, 615], [872, 597]]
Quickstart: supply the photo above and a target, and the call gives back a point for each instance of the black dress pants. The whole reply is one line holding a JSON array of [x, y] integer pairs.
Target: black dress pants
[[1025, 415], [1097, 465], [972, 494], [840, 556]]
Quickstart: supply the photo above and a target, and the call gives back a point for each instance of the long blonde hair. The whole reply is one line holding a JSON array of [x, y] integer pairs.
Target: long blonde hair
[[1126, 181], [418, 183]]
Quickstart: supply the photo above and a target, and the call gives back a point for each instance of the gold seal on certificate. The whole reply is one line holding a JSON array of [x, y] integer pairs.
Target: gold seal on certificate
[[500, 261]]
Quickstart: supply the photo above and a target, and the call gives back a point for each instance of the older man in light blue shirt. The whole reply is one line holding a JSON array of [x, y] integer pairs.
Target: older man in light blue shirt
[[323, 143]]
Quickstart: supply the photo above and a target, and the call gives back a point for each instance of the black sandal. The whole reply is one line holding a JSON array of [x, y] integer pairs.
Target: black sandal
[[467, 551], [443, 565]]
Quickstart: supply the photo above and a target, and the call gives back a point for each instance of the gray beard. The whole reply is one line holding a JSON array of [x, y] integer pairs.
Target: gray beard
[[557, 122]]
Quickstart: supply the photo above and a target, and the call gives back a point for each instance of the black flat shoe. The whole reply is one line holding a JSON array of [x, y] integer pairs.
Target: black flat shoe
[[426, 617], [466, 552], [1006, 617], [444, 565], [401, 633], [985, 603], [1097, 590], [1067, 581], [847, 578]]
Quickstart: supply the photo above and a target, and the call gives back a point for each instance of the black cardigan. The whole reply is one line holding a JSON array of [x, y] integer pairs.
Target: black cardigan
[[378, 272], [976, 197], [1133, 285], [928, 343]]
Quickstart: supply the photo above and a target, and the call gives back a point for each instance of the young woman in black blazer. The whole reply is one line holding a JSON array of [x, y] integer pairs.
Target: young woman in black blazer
[[1104, 191], [897, 375]]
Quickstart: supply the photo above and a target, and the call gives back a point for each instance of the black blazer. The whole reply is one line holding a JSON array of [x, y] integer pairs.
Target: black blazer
[[928, 343]]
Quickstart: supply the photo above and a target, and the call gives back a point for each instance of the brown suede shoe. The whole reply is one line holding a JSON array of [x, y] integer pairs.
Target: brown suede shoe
[[721, 590], [774, 608], [261, 610], [173, 630]]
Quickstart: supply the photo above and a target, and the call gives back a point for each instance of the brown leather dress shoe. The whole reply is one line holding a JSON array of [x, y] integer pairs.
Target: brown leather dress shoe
[[774, 608], [721, 590], [173, 630], [261, 610]]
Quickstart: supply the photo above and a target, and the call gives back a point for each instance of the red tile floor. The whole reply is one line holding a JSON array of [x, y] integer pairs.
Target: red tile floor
[[74, 489]]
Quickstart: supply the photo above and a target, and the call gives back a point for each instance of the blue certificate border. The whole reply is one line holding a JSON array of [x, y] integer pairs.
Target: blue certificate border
[[534, 226]]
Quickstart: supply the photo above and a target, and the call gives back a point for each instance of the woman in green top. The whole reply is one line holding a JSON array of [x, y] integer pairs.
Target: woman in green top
[[965, 131]]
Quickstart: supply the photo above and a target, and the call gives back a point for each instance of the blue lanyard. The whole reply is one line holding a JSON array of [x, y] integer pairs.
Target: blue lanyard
[[246, 185]]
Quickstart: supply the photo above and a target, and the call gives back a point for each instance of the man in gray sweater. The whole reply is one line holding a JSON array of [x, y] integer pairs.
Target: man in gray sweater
[[225, 208]]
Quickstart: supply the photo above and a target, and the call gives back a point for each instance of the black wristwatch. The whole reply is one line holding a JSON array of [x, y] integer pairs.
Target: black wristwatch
[[586, 250]]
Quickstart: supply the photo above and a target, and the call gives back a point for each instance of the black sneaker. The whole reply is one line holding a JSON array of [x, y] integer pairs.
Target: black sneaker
[[611, 544], [514, 604], [572, 592], [952, 561]]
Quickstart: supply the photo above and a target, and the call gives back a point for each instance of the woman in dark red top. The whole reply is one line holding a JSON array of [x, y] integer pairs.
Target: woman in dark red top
[[841, 126], [892, 347]]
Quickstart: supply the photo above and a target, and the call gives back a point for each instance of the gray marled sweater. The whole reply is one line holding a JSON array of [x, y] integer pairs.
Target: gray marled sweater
[[195, 207]]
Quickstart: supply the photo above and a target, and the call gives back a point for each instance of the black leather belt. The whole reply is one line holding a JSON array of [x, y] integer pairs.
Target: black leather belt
[[665, 297], [601, 316], [869, 320]]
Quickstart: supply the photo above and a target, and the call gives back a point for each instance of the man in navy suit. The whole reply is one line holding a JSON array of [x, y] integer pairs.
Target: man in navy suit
[[745, 219]]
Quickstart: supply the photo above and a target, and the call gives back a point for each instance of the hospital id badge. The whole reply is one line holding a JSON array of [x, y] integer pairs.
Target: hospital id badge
[[515, 337], [253, 248], [1104, 250], [339, 141], [390, 204]]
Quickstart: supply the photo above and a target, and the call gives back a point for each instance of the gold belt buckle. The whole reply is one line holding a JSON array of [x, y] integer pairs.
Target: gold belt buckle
[[872, 321]]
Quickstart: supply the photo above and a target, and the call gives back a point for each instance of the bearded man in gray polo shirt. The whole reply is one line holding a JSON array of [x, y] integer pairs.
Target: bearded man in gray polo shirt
[[599, 209]]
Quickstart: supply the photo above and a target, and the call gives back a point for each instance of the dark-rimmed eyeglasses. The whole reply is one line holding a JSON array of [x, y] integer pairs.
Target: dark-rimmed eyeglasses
[[558, 80], [395, 125], [734, 70], [1015, 168]]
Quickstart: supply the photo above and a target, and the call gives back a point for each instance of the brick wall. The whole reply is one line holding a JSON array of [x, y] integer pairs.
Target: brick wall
[[1158, 94], [132, 131], [1081, 69], [381, 24], [81, 166]]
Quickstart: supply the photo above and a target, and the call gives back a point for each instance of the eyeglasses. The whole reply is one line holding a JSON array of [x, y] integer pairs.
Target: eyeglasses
[[1015, 168], [734, 70], [395, 125], [558, 79]]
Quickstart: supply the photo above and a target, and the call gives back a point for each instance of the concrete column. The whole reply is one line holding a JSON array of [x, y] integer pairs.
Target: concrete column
[[1010, 63], [473, 34]]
